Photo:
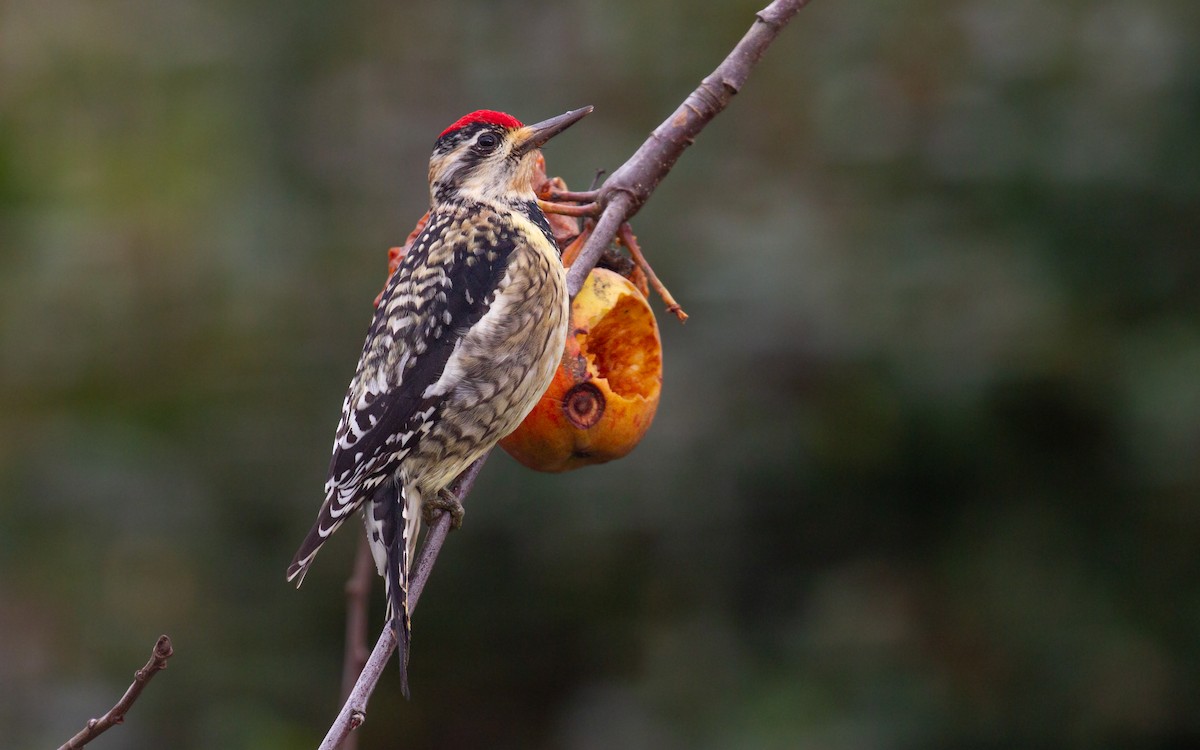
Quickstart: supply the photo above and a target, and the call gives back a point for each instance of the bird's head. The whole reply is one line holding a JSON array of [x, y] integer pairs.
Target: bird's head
[[489, 155]]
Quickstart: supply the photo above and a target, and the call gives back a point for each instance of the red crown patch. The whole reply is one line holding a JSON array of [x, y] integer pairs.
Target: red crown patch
[[488, 116]]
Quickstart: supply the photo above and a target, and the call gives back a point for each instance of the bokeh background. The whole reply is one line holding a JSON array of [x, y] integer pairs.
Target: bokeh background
[[926, 471]]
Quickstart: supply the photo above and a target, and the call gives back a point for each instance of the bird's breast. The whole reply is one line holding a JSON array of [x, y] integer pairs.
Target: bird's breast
[[503, 364]]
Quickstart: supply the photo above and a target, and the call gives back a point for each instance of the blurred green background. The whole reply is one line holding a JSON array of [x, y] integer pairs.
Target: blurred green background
[[926, 471]]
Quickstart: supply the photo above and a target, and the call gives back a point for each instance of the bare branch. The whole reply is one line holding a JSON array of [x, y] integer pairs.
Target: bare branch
[[638, 177], [572, 196], [625, 233], [610, 221], [621, 196], [354, 710], [564, 209], [358, 593], [116, 715]]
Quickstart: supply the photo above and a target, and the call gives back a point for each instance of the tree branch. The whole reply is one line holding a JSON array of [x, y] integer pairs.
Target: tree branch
[[116, 714], [621, 196], [354, 710], [625, 233], [638, 177], [358, 592]]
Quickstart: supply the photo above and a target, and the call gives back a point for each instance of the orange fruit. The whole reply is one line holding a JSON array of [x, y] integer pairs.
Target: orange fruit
[[606, 390]]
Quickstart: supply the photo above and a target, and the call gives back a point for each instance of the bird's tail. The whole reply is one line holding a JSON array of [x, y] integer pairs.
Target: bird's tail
[[405, 519], [337, 507]]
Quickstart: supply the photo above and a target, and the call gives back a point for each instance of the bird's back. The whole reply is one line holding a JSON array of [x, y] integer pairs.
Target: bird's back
[[479, 396]]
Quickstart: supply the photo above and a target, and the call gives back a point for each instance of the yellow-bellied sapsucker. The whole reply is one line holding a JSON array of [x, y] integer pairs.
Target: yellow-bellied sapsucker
[[465, 339]]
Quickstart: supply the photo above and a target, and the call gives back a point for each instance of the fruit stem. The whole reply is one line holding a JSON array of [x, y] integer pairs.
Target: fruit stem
[[627, 238], [587, 209]]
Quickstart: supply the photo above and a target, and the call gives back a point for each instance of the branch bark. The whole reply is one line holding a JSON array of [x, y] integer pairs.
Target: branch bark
[[116, 715], [358, 592], [620, 197], [630, 186], [354, 709]]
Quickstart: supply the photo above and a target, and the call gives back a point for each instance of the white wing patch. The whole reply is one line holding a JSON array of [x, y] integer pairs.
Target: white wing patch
[[451, 376], [484, 334]]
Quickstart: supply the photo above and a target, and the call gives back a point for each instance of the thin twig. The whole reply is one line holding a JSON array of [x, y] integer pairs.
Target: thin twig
[[608, 224], [631, 244], [358, 593], [116, 715], [566, 209], [620, 198], [354, 709], [638, 177], [573, 196]]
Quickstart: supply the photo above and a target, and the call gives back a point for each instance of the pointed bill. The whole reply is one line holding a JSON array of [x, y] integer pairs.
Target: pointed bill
[[534, 136]]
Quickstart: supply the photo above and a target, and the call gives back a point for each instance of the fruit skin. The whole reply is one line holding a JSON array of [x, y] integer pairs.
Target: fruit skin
[[607, 387]]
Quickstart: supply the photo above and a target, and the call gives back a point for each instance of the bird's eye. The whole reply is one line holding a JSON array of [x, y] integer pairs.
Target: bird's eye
[[487, 143]]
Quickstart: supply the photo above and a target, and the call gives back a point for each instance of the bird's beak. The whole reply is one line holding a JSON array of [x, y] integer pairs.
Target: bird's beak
[[534, 136]]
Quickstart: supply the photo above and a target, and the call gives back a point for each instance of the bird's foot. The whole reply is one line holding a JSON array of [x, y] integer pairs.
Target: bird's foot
[[445, 501]]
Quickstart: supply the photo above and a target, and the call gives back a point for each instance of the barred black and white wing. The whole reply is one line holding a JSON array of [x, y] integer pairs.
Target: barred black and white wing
[[445, 285]]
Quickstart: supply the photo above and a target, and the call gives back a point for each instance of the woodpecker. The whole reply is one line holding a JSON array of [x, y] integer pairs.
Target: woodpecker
[[465, 339]]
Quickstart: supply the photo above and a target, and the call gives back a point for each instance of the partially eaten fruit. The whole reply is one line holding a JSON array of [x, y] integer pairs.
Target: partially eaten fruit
[[606, 390]]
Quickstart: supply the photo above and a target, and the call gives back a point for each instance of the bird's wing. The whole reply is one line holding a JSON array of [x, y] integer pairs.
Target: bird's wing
[[446, 283]]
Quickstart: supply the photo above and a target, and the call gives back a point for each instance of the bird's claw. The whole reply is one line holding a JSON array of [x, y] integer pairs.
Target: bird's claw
[[445, 501]]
